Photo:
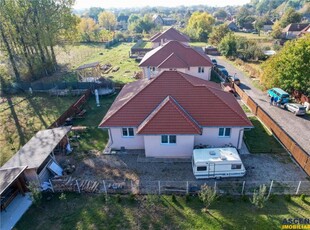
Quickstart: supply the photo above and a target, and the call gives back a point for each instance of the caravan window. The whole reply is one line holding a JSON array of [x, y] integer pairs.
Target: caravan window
[[236, 166], [201, 168]]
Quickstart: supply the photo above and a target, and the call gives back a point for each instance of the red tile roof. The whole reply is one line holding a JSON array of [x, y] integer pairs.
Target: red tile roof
[[181, 53], [173, 60], [203, 102], [170, 34], [169, 118]]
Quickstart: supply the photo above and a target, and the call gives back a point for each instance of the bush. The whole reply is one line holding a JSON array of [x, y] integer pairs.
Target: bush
[[259, 197], [287, 197], [35, 193], [272, 198], [207, 195], [302, 197], [173, 198]]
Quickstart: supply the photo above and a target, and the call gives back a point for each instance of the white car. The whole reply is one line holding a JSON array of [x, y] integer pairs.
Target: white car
[[295, 108]]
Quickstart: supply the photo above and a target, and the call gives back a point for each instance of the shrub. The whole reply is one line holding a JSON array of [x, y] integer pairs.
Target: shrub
[[35, 193], [173, 198], [287, 197], [259, 197], [207, 195], [302, 197]]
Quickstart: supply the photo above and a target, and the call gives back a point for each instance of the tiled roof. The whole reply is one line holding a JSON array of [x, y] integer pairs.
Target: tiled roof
[[187, 54], [202, 101], [295, 27], [173, 60], [170, 34], [169, 118]]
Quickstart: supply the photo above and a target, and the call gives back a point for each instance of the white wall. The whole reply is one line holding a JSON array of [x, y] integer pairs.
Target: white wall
[[118, 141], [182, 149], [192, 71], [210, 137]]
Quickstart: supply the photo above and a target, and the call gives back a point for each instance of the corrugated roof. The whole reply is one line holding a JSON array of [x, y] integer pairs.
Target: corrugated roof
[[169, 118], [202, 100], [38, 148], [8, 176], [187, 54], [170, 34]]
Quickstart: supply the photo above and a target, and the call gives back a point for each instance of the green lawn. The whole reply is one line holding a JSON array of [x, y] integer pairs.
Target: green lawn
[[29, 115], [152, 212], [260, 140], [245, 108], [200, 44], [144, 45]]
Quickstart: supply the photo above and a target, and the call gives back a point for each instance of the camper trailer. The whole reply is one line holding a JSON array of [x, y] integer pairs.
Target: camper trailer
[[217, 163]]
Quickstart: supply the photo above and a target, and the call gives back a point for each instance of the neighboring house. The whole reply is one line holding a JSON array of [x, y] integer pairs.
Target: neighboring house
[[170, 114], [232, 26], [304, 31], [176, 56], [163, 21], [248, 27], [267, 25], [170, 34], [122, 22], [293, 30]]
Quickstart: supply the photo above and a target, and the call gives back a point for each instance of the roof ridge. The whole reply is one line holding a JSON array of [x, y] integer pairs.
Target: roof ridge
[[143, 88], [171, 55], [229, 106], [178, 108]]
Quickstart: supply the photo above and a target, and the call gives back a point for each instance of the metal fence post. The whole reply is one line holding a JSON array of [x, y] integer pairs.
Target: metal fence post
[[186, 187], [298, 187], [270, 189], [159, 187], [78, 186], [52, 186], [243, 185]]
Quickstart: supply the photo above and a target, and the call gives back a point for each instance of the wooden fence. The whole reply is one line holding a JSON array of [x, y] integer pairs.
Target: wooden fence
[[300, 155], [72, 110]]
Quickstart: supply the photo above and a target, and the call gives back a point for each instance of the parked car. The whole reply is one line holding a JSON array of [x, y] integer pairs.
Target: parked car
[[283, 97], [234, 80], [214, 62], [295, 108], [224, 71]]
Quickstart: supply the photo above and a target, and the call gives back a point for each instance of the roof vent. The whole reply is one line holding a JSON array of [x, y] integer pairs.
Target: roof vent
[[223, 158], [212, 153]]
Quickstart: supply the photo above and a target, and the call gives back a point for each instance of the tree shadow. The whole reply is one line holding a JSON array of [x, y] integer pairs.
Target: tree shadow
[[36, 109], [20, 132]]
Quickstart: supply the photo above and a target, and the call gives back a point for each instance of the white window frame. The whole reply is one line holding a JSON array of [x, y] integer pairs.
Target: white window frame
[[201, 69], [128, 133], [224, 132], [168, 139]]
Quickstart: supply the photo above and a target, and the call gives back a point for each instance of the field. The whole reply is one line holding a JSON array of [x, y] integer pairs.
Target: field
[[144, 45], [20, 122], [263, 39], [118, 55], [266, 144], [153, 212]]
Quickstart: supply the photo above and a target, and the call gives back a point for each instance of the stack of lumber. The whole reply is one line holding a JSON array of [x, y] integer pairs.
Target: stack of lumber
[[89, 186], [69, 184]]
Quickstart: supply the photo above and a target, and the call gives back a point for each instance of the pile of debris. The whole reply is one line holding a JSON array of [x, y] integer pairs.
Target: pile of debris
[[69, 184]]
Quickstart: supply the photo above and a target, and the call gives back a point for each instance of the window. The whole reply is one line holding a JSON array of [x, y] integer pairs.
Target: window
[[201, 69], [201, 168], [236, 166], [128, 132], [168, 139], [224, 132]]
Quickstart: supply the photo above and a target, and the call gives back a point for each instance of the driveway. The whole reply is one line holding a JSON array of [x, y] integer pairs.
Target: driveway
[[297, 127]]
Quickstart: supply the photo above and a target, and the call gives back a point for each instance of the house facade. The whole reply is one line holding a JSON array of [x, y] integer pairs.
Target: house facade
[[293, 30], [267, 26], [175, 55], [170, 114], [170, 34]]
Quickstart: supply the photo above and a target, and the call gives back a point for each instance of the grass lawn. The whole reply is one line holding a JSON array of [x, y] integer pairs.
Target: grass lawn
[[260, 140], [200, 44], [245, 108], [153, 212], [29, 115], [144, 45]]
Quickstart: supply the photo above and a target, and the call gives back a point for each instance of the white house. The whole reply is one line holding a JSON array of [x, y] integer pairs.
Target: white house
[[169, 34], [169, 114], [293, 30], [175, 55]]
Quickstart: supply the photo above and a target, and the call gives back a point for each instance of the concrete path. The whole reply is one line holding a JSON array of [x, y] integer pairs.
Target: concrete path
[[298, 127]]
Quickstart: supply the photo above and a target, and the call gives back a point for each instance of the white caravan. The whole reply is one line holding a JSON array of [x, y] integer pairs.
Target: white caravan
[[217, 163]]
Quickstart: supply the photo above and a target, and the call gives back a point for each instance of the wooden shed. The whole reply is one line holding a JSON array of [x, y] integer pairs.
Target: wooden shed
[[89, 72], [38, 154]]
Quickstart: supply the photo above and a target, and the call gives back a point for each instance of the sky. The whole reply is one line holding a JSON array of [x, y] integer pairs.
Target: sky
[[80, 4]]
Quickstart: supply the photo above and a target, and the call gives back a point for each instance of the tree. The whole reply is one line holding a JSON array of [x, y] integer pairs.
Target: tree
[[290, 68], [248, 49], [259, 197], [144, 24], [93, 12], [276, 30], [244, 17], [200, 25], [133, 18], [290, 16], [207, 195], [228, 46], [107, 20], [88, 29], [218, 33], [220, 14]]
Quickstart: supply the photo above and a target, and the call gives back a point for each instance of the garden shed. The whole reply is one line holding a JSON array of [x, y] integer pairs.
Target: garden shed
[[38, 154], [89, 72]]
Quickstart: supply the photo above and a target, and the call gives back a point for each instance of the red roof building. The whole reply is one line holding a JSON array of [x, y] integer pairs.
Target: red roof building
[[169, 114], [170, 34], [175, 55]]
